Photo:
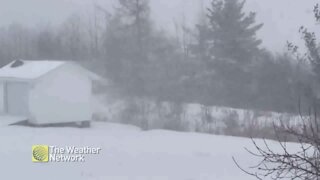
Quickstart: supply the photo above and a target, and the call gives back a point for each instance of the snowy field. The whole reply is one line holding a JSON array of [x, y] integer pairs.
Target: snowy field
[[127, 154]]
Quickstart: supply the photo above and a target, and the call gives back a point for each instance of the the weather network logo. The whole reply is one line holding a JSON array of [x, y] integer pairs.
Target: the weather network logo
[[40, 153], [45, 153]]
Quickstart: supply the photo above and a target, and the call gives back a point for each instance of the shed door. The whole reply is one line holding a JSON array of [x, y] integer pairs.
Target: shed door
[[17, 98]]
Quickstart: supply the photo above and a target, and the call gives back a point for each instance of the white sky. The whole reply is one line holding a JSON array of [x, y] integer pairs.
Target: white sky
[[282, 18]]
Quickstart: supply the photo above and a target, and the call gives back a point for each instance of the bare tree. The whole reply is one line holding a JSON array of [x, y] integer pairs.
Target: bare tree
[[73, 38], [99, 23], [303, 163]]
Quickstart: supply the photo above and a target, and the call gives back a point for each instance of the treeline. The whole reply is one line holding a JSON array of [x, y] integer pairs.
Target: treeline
[[218, 62]]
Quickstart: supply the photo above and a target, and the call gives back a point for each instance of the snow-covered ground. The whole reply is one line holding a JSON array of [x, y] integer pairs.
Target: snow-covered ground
[[127, 154]]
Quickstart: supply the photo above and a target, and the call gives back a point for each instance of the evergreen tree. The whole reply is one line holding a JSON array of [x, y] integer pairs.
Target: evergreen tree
[[141, 60], [136, 17], [127, 44], [233, 46], [233, 32]]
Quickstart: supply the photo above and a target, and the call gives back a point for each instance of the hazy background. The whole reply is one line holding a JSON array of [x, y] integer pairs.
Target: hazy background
[[165, 66], [281, 18]]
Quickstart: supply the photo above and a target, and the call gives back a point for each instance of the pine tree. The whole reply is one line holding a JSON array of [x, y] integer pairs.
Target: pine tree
[[136, 17], [233, 47], [233, 32], [127, 42]]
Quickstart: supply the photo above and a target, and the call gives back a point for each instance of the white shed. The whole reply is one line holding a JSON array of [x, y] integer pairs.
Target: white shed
[[46, 92]]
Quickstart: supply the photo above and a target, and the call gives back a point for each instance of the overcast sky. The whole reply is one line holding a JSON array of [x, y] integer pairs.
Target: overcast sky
[[282, 18]]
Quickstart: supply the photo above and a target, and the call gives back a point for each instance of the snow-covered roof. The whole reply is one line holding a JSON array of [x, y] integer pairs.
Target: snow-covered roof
[[31, 70], [26, 69]]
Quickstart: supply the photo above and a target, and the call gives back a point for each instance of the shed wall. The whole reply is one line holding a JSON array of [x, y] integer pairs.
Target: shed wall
[[2, 99], [63, 95]]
